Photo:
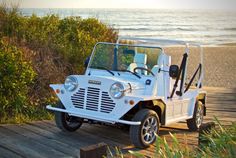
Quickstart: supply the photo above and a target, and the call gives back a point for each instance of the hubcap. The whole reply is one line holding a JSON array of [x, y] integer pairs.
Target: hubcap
[[149, 130], [199, 116]]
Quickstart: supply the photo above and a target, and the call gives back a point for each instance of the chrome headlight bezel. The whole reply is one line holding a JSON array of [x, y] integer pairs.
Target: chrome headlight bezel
[[71, 83], [117, 90]]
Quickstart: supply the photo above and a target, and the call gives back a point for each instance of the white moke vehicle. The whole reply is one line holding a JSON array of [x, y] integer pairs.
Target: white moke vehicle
[[134, 85]]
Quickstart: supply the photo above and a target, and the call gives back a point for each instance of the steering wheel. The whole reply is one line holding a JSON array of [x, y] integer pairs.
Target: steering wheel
[[145, 69]]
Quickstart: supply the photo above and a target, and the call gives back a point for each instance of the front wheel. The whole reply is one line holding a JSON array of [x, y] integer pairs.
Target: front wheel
[[144, 135], [66, 122], [195, 122]]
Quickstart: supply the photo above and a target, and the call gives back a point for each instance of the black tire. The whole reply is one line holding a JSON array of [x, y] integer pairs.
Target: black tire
[[66, 122], [137, 131], [195, 122]]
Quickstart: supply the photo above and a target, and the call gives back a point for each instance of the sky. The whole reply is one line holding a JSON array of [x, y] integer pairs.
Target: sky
[[155, 4]]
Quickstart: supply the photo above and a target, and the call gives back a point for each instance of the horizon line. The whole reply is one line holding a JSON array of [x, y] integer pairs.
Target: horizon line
[[204, 9]]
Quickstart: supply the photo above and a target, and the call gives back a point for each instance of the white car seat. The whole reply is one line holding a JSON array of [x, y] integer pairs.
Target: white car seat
[[162, 61], [140, 60], [161, 71]]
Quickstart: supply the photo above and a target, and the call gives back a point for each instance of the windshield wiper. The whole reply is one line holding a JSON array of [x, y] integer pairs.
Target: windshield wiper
[[135, 74], [103, 68]]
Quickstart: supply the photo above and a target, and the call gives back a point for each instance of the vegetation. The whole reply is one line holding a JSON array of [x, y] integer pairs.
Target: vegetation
[[15, 77], [219, 143], [49, 49]]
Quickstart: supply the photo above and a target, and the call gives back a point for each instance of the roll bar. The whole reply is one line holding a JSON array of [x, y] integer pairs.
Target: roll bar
[[184, 62], [162, 41]]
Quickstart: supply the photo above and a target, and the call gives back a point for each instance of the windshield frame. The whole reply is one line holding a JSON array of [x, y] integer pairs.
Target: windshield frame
[[116, 45]]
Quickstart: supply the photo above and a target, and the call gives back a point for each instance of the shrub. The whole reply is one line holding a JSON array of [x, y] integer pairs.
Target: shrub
[[15, 77], [56, 48]]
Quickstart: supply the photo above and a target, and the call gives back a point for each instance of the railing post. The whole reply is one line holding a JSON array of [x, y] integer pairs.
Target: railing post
[[94, 151]]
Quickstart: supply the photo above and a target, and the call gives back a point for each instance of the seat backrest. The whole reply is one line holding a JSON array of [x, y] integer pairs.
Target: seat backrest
[[162, 59], [155, 69], [161, 71], [140, 60]]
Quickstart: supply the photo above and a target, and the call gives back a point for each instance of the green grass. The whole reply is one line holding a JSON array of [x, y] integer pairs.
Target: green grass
[[219, 143]]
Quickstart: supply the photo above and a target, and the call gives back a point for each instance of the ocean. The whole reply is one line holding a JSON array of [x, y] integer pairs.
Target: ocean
[[204, 27]]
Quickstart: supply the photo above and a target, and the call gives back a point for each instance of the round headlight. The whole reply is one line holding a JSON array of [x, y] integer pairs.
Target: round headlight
[[117, 90], [71, 83]]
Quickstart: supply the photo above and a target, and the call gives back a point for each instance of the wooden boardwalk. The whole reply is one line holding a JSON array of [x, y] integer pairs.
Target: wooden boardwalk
[[44, 139]]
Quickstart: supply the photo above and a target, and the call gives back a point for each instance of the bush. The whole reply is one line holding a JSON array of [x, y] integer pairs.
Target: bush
[[15, 77], [72, 38], [56, 48]]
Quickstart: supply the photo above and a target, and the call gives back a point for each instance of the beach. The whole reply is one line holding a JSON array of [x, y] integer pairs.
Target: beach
[[219, 64], [201, 26]]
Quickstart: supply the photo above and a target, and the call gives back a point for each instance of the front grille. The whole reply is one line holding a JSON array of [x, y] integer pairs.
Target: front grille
[[78, 98], [107, 104], [93, 99]]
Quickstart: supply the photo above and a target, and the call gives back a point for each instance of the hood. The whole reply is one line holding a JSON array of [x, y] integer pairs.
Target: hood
[[107, 81], [135, 83]]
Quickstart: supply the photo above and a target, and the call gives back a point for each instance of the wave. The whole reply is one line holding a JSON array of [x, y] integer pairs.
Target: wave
[[196, 26], [230, 29], [157, 29]]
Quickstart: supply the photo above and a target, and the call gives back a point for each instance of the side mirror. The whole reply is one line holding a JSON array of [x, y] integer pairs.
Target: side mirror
[[86, 62], [174, 71]]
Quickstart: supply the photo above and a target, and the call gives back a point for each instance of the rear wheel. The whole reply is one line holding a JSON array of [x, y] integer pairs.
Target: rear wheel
[[195, 122], [144, 135], [66, 122]]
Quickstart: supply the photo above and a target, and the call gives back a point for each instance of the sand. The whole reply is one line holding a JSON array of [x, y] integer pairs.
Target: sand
[[219, 65]]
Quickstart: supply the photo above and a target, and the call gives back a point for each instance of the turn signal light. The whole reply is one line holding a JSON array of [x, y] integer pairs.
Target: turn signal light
[[131, 102], [57, 91]]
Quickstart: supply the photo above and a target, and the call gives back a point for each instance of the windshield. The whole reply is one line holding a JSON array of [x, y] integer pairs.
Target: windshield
[[122, 57]]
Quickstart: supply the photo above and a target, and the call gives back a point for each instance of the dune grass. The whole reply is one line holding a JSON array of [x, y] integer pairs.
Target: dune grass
[[53, 47], [220, 142]]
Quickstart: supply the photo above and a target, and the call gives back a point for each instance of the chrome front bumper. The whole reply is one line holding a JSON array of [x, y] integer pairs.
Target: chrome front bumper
[[77, 114]]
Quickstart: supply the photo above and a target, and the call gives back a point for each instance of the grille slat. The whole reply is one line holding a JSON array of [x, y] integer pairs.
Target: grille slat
[[109, 105], [93, 99], [78, 97], [92, 95], [106, 102], [92, 102], [91, 106], [106, 109], [78, 102]]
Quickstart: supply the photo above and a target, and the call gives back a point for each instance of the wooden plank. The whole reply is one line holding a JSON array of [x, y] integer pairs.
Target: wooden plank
[[50, 143], [92, 136], [6, 152], [71, 138], [26, 146], [108, 132]]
